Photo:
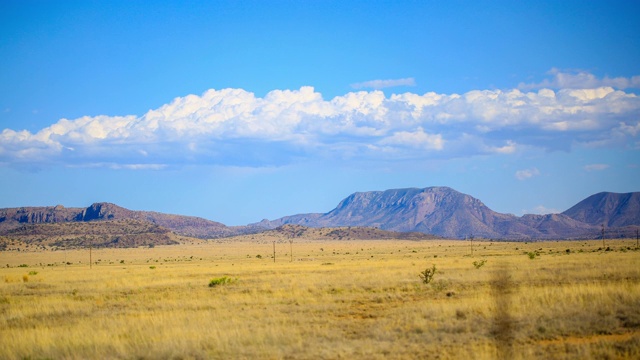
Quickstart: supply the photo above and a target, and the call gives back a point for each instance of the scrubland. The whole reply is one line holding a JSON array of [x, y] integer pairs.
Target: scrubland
[[327, 300]]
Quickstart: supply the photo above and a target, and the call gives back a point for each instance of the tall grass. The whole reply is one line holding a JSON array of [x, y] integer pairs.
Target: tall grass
[[369, 303]]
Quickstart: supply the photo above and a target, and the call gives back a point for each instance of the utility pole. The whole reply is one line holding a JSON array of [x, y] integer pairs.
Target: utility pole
[[471, 239], [636, 238], [603, 245], [291, 248], [90, 259], [274, 251]]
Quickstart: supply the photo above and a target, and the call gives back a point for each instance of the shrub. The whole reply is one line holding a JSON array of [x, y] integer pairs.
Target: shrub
[[427, 274], [33, 273], [152, 267], [479, 264], [23, 265], [532, 255], [220, 281]]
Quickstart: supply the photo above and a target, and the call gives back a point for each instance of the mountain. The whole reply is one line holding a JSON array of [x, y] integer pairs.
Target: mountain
[[445, 212], [440, 211], [610, 209], [12, 218]]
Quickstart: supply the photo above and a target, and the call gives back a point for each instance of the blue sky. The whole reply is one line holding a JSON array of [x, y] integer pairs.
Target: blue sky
[[237, 111]]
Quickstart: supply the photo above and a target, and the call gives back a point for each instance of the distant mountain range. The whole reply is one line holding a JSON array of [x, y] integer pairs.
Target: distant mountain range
[[439, 211], [448, 213]]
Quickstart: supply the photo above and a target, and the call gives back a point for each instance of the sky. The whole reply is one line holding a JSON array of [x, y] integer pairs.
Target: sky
[[237, 111]]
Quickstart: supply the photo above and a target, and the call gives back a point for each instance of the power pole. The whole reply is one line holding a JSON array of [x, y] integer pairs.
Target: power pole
[[274, 251], [90, 247], [291, 248], [603, 245], [636, 238]]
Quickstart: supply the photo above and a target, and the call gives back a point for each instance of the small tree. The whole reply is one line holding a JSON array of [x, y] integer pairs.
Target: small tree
[[427, 274]]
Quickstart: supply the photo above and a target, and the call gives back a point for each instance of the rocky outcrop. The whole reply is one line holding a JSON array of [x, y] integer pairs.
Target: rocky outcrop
[[12, 218]]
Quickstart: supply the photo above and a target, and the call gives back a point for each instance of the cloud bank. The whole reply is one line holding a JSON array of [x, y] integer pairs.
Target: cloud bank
[[234, 127]]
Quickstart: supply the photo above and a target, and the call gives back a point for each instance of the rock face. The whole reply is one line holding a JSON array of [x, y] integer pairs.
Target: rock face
[[445, 212], [11, 218]]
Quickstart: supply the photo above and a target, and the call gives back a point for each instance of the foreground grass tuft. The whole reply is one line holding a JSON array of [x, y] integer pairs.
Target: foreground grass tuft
[[220, 281]]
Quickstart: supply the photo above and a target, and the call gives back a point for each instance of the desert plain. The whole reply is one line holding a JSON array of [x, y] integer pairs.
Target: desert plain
[[324, 299]]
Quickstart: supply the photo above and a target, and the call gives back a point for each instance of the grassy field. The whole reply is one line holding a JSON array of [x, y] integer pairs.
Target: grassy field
[[327, 300]]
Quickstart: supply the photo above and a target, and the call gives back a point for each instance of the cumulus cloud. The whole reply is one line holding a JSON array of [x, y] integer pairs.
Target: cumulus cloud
[[596, 167], [527, 173], [381, 84], [234, 127]]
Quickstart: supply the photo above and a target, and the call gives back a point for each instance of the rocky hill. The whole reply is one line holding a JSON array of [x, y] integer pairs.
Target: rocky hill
[[445, 212], [69, 235], [12, 218]]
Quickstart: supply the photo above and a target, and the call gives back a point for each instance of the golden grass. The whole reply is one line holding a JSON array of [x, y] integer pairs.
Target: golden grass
[[336, 299]]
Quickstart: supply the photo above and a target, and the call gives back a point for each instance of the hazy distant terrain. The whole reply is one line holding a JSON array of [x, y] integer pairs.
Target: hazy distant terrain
[[398, 213]]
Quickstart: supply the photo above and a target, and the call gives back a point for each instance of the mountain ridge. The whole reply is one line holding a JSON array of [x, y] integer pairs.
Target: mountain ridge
[[439, 210], [443, 211], [103, 211]]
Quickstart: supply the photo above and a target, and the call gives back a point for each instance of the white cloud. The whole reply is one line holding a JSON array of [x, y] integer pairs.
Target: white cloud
[[417, 139], [233, 127], [541, 210], [582, 80], [527, 173], [596, 167], [381, 84]]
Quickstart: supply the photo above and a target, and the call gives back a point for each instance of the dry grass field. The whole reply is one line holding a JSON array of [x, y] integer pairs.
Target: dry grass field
[[327, 300]]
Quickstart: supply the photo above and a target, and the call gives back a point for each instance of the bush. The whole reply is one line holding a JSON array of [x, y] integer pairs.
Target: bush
[[479, 264], [220, 281], [427, 274]]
